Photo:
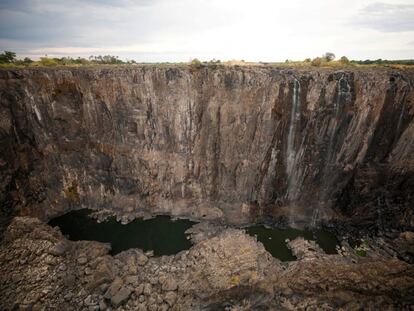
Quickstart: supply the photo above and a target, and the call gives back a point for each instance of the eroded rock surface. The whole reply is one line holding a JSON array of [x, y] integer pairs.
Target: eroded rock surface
[[229, 270], [227, 143]]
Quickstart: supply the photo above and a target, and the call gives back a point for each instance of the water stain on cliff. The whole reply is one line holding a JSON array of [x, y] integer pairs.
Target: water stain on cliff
[[236, 144]]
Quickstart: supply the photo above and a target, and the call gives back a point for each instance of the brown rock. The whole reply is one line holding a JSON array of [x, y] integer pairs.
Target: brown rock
[[121, 296], [408, 235], [114, 288], [170, 298], [169, 284]]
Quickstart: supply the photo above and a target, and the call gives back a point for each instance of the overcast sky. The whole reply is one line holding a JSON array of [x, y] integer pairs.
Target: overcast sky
[[178, 30]]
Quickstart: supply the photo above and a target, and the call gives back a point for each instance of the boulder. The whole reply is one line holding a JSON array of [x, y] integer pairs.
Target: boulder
[[59, 249], [170, 298], [169, 284], [142, 259], [114, 288], [121, 296]]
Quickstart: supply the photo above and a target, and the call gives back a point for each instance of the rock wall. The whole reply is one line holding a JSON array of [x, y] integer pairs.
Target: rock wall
[[233, 143]]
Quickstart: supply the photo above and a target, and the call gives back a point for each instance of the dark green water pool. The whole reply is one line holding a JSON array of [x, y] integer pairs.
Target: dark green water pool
[[165, 236], [161, 234], [273, 240]]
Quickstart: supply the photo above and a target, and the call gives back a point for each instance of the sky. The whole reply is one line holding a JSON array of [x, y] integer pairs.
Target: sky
[[179, 30]]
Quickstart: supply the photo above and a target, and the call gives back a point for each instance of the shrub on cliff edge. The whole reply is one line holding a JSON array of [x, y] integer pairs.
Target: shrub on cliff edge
[[316, 61], [195, 64], [7, 57], [344, 60]]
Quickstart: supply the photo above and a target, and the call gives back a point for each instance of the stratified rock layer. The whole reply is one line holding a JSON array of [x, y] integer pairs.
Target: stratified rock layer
[[229, 143]]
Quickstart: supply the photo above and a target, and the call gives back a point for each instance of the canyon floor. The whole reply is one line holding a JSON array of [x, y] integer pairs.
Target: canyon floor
[[225, 269]]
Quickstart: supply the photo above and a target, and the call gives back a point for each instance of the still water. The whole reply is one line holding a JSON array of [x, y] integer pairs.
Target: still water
[[165, 236], [273, 240], [161, 234]]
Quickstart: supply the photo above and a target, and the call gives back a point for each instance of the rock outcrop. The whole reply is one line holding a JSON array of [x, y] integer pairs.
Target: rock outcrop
[[227, 271], [232, 143]]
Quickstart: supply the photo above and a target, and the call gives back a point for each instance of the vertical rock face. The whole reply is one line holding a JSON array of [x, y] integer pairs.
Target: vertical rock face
[[232, 143]]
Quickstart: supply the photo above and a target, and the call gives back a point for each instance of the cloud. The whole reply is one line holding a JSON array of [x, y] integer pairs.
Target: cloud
[[37, 4], [79, 23], [177, 30], [386, 17]]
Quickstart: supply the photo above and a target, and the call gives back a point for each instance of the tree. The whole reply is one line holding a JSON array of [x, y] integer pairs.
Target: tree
[[344, 60], [106, 59], [27, 60], [7, 57], [328, 56]]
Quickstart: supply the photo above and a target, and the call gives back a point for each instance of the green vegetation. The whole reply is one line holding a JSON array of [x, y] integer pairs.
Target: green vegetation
[[9, 59], [362, 248], [361, 252], [46, 61], [195, 64], [344, 60], [383, 62], [235, 280], [328, 60], [316, 61]]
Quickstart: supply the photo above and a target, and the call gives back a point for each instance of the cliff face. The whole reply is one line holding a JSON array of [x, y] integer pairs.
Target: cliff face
[[232, 143]]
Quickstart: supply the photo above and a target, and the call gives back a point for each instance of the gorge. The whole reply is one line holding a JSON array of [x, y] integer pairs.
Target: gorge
[[226, 146]]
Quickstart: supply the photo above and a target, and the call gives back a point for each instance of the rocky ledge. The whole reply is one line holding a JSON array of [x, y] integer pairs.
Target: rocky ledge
[[225, 270]]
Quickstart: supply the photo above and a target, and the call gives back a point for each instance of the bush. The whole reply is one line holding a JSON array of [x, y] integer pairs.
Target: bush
[[27, 61], [195, 64], [23, 62], [344, 60], [316, 62], [214, 63], [47, 61], [361, 252]]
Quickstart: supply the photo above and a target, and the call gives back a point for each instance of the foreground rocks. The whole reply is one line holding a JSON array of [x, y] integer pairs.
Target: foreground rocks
[[40, 269]]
